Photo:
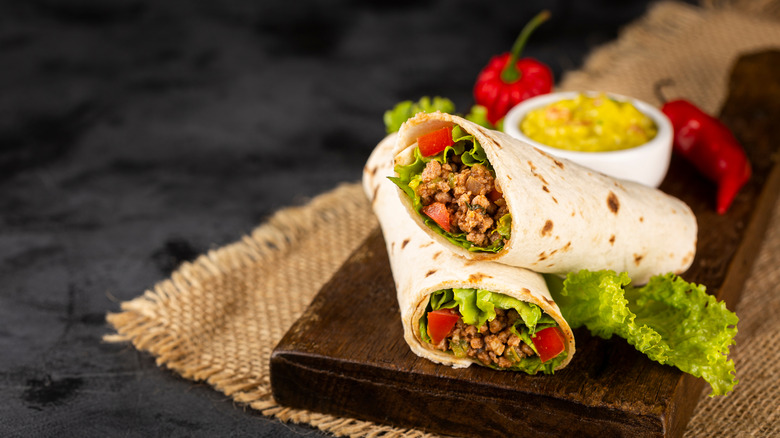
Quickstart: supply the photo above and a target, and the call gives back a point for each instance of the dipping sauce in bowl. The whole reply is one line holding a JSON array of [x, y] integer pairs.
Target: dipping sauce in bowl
[[616, 135], [589, 124]]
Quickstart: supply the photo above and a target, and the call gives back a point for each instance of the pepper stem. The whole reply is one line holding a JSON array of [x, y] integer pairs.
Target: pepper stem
[[658, 89], [510, 73]]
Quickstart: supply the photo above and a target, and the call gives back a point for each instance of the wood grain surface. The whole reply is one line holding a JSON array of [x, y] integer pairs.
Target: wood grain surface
[[346, 355]]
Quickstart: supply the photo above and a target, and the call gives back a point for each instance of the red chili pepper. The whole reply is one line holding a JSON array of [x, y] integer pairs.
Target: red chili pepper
[[710, 146], [508, 80]]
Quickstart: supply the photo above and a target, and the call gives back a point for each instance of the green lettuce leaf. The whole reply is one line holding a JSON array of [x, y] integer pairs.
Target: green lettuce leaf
[[477, 306], [532, 364], [402, 111], [478, 115], [671, 321], [471, 153]]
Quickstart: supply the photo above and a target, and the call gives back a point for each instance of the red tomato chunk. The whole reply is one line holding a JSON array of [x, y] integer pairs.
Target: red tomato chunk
[[549, 343], [438, 212], [435, 142], [440, 323]]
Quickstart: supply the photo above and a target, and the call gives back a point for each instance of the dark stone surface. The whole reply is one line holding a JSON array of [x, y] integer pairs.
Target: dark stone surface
[[136, 134]]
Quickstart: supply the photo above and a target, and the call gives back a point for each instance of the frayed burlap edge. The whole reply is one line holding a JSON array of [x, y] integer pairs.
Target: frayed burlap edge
[[141, 324]]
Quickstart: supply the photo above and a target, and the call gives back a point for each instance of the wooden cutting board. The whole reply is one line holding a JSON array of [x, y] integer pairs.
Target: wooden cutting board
[[346, 355]]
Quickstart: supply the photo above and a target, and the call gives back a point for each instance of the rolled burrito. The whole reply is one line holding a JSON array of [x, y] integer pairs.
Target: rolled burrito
[[457, 311], [489, 196]]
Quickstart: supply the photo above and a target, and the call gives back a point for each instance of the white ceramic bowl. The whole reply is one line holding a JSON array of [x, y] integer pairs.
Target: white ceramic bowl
[[646, 164]]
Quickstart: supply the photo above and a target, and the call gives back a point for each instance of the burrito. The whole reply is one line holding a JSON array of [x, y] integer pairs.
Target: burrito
[[488, 196], [457, 311]]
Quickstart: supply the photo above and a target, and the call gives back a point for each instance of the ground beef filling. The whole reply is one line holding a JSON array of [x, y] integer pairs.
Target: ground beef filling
[[493, 344], [465, 191]]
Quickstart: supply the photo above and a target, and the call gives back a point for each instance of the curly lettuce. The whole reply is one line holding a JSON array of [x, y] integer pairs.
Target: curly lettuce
[[471, 153], [478, 115], [478, 306], [672, 321], [403, 111]]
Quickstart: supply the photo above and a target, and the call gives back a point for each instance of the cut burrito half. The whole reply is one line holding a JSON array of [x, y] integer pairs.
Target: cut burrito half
[[457, 311], [488, 196]]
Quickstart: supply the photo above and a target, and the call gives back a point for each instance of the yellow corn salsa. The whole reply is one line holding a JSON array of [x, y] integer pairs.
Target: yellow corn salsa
[[589, 124]]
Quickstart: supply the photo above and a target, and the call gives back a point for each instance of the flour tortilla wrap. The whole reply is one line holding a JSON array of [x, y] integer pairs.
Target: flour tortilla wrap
[[421, 267], [565, 217]]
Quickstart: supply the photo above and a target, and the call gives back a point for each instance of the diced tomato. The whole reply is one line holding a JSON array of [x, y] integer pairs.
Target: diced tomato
[[549, 343], [438, 212], [494, 195], [434, 142], [440, 323]]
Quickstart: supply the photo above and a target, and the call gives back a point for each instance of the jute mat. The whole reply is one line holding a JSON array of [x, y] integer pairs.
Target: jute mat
[[218, 318]]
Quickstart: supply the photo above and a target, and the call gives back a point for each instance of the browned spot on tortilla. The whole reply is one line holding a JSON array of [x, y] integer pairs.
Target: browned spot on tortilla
[[376, 192], [533, 172], [509, 177], [547, 228], [374, 170], [431, 272], [469, 262], [567, 246], [554, 200], [573, 213], [426, 244], [478, 277], [548, 301], [558, 163], [436, 256], [612, 240], [392, 246], [542, 256], [687, 259], [613, 203], [638, 259], [641, 218], [525, 289], [545, 189], [404, 243]]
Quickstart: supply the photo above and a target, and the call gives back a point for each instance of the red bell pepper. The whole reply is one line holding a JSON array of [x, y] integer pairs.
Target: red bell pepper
[[438, 212], [711, 147], [440, 323], [508, 80], [434, 142], [549, 343]]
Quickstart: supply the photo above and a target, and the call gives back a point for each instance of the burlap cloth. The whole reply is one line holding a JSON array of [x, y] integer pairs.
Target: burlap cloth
[[218, 319]]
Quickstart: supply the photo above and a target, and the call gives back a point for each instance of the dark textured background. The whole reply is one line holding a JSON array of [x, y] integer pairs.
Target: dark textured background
[[136, 134]]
